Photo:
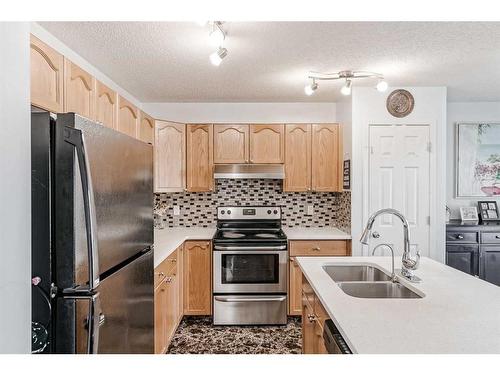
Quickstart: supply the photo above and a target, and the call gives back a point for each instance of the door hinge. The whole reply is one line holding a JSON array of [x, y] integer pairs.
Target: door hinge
[[428, 220], [371, 150], [429, 146]]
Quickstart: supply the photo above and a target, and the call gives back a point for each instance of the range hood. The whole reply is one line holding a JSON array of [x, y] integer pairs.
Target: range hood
[[246, 171]]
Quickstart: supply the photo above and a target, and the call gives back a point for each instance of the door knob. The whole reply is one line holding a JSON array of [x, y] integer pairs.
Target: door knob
[[376, 234]]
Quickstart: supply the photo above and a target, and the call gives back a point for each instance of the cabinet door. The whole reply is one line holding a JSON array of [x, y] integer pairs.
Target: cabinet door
[[170, 156], [160, 317], [231, 144], [128, 117], [294, 288], [146, 128], [172, 307], [47, 66], [79, 90], [319, 342], [464, 258], [199, 156], [197, 278], [326, 157], [267, 144], [308, 334], [106, 105], [490, 264], [297, 158]]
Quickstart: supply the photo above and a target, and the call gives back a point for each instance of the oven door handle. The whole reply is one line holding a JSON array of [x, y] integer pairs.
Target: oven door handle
[[253, 248], [250, 299]]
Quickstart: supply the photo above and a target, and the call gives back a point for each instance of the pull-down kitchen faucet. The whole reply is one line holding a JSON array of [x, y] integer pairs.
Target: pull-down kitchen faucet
[[409, 264]]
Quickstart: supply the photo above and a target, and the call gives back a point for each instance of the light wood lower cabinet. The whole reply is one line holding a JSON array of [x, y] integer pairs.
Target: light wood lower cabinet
[[308, 248], [313, 321], [294, 288], [197, 278], [167, 299]]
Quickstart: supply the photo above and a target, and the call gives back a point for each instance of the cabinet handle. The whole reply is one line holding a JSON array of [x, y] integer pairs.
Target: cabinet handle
[[459, 237], [316, 248], [311, 317], [173, 260], [497, 236], [161, 274], [168, 280]]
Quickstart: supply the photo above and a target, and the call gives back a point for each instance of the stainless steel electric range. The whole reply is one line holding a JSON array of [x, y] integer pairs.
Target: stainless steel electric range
[[249, 266]]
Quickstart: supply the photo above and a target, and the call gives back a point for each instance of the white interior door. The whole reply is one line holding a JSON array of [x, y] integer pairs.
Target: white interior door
[[399, 174]]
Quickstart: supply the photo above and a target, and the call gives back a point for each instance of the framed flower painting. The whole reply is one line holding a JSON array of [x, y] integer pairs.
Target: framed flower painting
[[478, 160]]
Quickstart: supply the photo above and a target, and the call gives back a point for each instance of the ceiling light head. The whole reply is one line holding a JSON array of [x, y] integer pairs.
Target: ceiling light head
[[217, 36], [217, 57], [382, 85], [346, 89], [309, 89]]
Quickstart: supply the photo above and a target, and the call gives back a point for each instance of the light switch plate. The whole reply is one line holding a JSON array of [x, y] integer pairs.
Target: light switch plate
[[310, 210], [177, 210]]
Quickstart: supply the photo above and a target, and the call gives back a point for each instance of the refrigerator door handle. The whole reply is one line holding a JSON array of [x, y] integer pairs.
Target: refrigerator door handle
[[75, 137], [94, 319]]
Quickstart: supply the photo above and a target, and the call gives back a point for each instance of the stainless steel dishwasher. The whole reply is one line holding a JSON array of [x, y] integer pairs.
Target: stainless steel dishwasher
[[334, 342]]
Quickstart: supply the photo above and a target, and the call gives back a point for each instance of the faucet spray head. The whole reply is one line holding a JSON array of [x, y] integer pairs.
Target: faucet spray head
[[365, 237]]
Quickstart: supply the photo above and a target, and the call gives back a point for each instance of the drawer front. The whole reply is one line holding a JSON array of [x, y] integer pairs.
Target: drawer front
[[165, 268], [462, 237], [318, 248], [490, 237]]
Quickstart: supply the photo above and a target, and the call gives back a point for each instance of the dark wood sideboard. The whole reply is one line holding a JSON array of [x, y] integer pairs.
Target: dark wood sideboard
[[474, 249]]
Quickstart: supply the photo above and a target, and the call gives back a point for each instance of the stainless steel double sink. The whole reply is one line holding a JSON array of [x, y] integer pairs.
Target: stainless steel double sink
[[364, 281]]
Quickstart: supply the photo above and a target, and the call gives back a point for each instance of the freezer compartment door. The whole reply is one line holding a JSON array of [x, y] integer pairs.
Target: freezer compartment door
[[125, 320], [250, 309]]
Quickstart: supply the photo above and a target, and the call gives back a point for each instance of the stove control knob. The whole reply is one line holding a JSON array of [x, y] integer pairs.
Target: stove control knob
[[269, 212], [229, 212], [223, 212], [275, 212]]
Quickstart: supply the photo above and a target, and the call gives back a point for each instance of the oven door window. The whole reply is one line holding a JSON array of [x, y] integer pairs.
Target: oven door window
[[250, 268]]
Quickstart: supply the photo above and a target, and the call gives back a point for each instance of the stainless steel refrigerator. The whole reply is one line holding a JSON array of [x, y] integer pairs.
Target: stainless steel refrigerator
[[92, 235]]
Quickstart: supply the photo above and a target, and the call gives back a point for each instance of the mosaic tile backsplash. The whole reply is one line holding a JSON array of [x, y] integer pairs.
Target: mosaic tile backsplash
[[199, 209]]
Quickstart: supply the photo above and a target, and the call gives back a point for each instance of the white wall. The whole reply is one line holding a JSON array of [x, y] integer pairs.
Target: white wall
[[243, 112], [368, 107], [464, 112], [15, 190], [63, 49]]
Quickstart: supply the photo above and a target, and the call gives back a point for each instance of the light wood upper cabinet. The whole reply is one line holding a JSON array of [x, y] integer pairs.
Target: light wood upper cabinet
[[199, 156], [297, 158], [47, 69], [197, 278], [267, 144], [79, 90], [231, 144], [326, 157], [146, 128], [106, 105], [128, 117], [170, 156]]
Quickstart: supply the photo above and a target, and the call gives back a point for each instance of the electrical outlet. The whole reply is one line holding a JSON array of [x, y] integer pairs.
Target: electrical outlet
[[177, 210], [310, 210]]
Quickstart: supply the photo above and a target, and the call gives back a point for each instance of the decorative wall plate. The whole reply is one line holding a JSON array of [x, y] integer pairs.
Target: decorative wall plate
[[400, 103]]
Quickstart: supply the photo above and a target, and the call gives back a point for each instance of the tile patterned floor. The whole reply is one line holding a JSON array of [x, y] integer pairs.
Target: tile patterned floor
[[197, 335]]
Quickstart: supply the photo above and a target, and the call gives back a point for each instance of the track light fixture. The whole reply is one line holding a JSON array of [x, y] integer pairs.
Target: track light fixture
[[309, 89], [349, 76], [217, 56], [216, 38]]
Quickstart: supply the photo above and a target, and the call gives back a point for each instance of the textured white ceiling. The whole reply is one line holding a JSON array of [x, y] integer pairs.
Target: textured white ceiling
[[269, 61]]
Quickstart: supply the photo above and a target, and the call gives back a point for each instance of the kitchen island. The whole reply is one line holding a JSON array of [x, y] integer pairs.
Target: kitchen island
[[457, 314]]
